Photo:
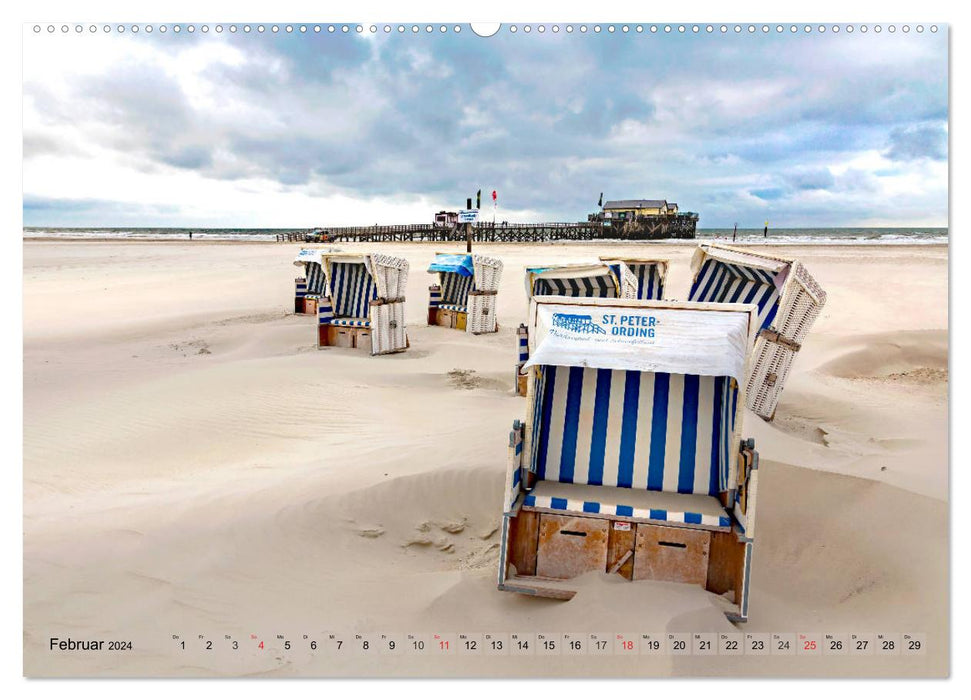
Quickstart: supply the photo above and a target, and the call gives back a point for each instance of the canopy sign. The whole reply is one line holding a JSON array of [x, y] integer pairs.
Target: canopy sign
[[679, 341]]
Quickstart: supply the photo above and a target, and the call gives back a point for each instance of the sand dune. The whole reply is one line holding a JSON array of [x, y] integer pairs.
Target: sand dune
[[193, 465]]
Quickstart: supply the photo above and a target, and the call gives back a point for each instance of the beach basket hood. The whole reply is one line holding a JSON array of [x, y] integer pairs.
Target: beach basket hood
[[582, 280], [650, 274], [390, 275], [788, 298], [309, 255], [457, 264]]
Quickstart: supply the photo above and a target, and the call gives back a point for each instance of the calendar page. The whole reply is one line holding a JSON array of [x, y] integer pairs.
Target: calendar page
[[269, 432]]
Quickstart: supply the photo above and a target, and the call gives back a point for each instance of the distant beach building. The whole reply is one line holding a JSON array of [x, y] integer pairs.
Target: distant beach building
[[632, 208], [446, 218], [646, 218]]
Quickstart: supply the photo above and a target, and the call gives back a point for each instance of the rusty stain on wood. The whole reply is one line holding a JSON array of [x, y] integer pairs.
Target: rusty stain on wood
[[726, 563], [620, 542], [671, 554], [571, 546], [523, 537]]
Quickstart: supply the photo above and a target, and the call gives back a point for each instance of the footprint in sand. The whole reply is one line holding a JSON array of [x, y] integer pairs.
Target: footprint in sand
[[464, 379], [371, 532], [468, 379], [194, 347]]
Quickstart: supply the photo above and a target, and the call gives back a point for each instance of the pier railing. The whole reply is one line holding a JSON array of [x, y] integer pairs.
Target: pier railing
[[681, 226]]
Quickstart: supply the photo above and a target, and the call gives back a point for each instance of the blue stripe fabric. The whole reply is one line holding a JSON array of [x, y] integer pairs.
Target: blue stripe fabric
[[456, 288], [649, 285], [722, 282], [325, 314], [628, 433], [603, 287], [717, 417], [353, 290], [709, 520], [544, 435], [653, 431], [523, 349], [568, 453], [689, 435], [659, 426], [315, 278], [539, 392], [598, 441]]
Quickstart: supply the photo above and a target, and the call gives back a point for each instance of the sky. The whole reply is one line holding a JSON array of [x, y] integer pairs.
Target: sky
[[300, 130]]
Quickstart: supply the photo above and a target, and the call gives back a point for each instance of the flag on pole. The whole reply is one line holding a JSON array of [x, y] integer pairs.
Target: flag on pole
[[478, 199], [600, 202], [493, 195]]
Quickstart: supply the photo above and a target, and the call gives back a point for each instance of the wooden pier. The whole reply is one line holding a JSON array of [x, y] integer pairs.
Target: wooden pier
[[294, 237], [678, 226]]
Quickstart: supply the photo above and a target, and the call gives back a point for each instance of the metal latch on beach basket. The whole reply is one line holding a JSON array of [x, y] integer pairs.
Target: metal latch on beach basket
[[775, 337]]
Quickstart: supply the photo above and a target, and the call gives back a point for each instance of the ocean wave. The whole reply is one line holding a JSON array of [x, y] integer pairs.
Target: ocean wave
[[828, 237], [101, 234]]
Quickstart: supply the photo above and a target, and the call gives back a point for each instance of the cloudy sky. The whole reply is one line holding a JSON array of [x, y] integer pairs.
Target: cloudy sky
[[301, 130]]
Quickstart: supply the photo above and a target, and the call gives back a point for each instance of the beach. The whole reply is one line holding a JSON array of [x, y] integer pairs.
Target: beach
[[194, 465]]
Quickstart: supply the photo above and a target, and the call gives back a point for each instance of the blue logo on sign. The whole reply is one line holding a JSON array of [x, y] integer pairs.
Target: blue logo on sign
[[577, 323]]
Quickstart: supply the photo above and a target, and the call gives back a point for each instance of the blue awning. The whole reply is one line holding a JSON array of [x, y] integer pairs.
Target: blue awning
[[459, 264]]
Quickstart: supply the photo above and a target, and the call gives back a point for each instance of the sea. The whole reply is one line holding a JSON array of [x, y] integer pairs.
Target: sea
[[781, 236]]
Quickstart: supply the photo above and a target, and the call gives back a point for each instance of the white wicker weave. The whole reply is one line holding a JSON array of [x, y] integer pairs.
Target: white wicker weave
[[488, 272], [390, 275], [388, 328], [800, 301], [628, 282], [481, 316]]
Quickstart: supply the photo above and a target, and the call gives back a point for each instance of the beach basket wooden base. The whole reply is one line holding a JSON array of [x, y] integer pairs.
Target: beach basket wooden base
[[450, 319], [569, 546], [546, 550], [309, 306], [671, 554], [338, 337], [521, 382]]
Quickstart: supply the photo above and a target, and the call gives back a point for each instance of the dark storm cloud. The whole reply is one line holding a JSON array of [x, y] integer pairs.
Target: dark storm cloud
[[921, 141]]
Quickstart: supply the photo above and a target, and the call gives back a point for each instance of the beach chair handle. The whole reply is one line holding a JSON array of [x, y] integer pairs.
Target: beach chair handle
[[748, 462], [774, 336]]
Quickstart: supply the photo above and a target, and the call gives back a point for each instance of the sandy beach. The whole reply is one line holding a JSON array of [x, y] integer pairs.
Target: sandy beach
[[193, 465]]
